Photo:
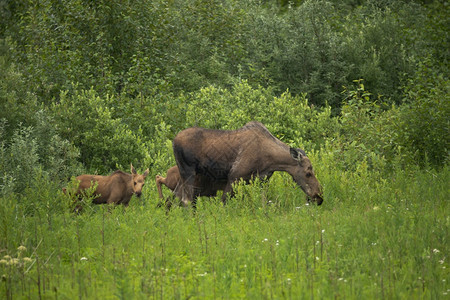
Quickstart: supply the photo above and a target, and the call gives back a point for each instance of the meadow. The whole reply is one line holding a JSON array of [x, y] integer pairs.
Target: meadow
[[374, 237]]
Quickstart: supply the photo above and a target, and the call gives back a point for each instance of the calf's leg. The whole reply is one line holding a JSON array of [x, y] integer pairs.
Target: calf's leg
[[160, 180]]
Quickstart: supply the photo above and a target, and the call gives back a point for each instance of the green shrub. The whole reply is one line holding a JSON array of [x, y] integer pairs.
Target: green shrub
[[426, 116], [33, 151], [18, 104], [368, 133], [19, 160], [414, 133], [104, 141]]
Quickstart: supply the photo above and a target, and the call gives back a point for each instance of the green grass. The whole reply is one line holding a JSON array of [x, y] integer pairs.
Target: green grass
[[374, 237]]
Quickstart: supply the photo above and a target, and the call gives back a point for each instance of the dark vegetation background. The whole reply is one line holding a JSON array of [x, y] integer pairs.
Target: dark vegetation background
[[90, 86]]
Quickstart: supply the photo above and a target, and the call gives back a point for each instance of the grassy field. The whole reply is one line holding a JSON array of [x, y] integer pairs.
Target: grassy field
[[376, 236]]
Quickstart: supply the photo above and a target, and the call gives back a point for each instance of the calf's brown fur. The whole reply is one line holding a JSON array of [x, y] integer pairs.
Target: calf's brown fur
[[117, 188]]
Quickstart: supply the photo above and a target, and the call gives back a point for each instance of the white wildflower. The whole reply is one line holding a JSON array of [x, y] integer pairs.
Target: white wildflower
[[83, 258]]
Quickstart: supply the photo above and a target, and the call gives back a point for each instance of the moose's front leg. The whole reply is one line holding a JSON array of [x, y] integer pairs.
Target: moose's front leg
[[228, 190]]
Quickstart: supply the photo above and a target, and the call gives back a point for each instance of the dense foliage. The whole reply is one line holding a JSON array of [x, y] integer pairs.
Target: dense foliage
[[113, 78], [361, 85]]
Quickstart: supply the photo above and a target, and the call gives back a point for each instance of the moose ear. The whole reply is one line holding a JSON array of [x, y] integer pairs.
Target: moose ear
[[133, 170], [297, 155], [146, 172]]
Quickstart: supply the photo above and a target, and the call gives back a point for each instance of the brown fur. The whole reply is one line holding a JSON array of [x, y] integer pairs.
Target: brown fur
[[117, 188], [227, 156], [203, 185], [171, 180]]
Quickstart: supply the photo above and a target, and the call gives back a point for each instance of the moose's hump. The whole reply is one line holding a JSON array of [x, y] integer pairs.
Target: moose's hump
[[196, 141], [197, 135], [258, 128], [254, 124]]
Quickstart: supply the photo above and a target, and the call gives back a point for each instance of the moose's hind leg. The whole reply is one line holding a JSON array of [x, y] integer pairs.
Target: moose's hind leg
[[186, 188]]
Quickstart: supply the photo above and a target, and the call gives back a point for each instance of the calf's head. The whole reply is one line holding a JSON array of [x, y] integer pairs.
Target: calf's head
[[304, 176], [137, 181]]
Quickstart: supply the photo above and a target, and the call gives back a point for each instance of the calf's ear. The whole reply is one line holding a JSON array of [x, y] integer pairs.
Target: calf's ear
[[133, 170], [146, 172]]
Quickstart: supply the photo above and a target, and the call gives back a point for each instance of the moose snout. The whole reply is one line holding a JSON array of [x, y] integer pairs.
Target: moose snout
[[138, 193], [318, 199]]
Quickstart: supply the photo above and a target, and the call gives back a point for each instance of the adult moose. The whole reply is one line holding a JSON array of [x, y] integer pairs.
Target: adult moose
[[117, 188], [227, 156]]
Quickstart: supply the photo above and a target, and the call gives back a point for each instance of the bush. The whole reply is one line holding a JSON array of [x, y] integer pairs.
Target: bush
[[104, 141], [368, 133], [18, 104], [425, 116], [32, 151], [19, 160], [414, 133]]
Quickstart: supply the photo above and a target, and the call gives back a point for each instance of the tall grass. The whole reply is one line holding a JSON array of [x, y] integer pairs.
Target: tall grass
[[375, 236]]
